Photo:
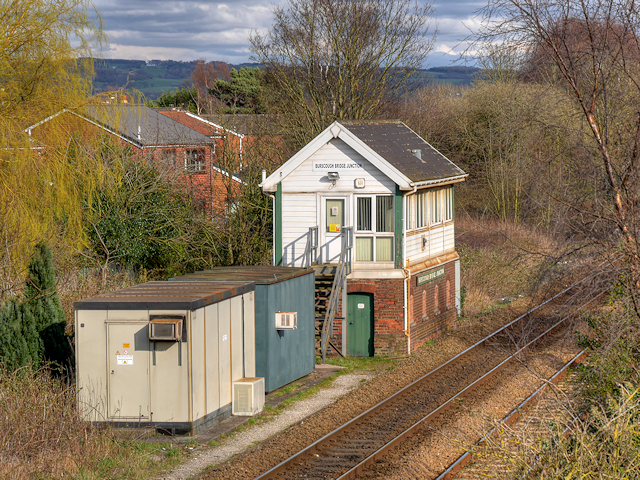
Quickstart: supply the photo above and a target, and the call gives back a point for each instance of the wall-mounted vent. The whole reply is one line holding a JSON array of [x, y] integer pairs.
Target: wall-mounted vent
[[286, 320], [166, 328], [248, 396]]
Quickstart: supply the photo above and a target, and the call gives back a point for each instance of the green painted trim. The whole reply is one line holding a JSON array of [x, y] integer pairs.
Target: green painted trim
[[277, 211], [398, 228]]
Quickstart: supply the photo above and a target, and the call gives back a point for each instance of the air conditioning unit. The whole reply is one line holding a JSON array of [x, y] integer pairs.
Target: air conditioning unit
[[248, 396], [166, 328], [286, 320]]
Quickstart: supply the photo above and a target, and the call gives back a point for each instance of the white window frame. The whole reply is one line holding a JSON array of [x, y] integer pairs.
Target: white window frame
[[444, 198], [200, 163], [373, 234]]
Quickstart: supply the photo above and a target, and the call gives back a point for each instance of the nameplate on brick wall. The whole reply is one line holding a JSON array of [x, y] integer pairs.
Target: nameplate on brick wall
[[429, 277]]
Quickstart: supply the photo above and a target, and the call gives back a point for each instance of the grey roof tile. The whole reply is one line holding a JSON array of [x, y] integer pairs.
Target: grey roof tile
[[394, 142], [144, 126]]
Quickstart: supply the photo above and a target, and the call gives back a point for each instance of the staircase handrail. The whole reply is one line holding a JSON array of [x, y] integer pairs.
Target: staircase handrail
[[311, 249], [342, 270]]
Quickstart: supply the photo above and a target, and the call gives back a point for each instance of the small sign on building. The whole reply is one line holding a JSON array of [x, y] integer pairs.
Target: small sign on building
[[430, 276]]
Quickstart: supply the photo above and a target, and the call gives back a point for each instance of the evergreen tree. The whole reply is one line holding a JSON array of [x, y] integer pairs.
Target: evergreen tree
[[21, 343], [42, 302]]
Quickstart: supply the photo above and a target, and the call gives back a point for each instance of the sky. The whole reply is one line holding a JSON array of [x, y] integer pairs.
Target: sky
[[218, 30]]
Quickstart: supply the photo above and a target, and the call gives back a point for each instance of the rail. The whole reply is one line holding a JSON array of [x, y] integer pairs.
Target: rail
[[339, 280], [379, 452], [311, 250]]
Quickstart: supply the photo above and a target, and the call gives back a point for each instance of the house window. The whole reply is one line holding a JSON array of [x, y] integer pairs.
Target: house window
[[430, 207], [374, 228], [194, 160]]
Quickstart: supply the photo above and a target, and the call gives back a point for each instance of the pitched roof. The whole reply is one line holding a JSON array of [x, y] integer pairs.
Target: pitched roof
[[192, 121], [391, 146], [143, 126], [398, 145], [247, 124]]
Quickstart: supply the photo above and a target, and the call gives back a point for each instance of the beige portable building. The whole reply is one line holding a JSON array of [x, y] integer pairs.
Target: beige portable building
[[165, 354]]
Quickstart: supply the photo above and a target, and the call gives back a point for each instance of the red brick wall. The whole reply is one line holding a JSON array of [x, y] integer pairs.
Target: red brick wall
[[432, 305], [388, 314], [432, 310]]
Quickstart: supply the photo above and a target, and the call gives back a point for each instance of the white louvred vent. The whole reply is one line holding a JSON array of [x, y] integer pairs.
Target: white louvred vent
[[248, 396], [286, 320]]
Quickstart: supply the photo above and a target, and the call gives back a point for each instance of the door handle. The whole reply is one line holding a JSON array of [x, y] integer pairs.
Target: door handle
[[350, 323]]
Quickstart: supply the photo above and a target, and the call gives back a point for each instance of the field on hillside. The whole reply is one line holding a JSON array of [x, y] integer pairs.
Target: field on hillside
[[155, 76]]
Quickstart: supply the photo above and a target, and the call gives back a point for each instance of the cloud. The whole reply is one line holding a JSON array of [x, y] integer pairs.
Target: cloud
[[219, 30]]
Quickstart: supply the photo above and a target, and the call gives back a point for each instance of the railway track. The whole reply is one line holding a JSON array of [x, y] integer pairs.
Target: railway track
[[537, 419], [351, 448]]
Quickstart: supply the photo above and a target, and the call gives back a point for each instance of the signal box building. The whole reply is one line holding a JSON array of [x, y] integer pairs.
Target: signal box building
[[371, 203]]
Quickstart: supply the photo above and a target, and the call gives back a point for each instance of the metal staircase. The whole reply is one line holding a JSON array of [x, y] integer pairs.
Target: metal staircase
[[331, 282]]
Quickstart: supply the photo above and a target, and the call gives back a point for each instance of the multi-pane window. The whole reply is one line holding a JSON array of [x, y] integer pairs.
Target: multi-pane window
[[374, 228], [194, 160], [430, 207]]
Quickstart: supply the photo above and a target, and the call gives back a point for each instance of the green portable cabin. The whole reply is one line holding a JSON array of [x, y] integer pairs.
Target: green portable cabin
[[284, 318]]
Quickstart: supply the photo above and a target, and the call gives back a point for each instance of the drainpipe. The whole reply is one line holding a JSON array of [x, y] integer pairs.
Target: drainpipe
[[407, 275], [273, 220]]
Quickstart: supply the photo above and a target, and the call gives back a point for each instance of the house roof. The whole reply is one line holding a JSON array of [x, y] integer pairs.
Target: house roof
[[389, 145], [247, 124], [137, 124], [205, 126], [144, 126], [396, 143]]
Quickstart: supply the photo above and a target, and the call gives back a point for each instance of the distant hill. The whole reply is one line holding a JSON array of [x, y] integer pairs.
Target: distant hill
[[155, 76]]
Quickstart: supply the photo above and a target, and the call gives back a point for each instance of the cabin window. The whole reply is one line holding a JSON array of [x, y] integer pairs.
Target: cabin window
[[194, 160], [374, 228], [430, 207]]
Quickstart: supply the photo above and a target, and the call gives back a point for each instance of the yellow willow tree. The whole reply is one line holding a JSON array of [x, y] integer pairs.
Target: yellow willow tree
[[45, 66]]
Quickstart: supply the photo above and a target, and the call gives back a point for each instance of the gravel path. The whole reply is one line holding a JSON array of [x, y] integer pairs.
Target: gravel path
[[241, 441]]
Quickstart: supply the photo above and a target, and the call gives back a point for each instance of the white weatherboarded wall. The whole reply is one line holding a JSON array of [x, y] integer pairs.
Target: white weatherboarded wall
[[304, 190], [439, 240]]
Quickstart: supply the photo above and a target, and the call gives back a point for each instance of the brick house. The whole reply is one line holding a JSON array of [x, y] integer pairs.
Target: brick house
[[157, 139], [373, 204]]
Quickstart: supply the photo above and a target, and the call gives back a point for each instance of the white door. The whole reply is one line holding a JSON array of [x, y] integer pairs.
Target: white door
[[128, 346], [335, 216]]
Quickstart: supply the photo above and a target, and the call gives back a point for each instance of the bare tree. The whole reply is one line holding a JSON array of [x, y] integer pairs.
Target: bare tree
[[338, 59], [590, 48]]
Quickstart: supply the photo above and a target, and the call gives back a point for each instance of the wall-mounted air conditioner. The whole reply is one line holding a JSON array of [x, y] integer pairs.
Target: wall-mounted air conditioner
[[166, 328], [248, 396], [286, 320]]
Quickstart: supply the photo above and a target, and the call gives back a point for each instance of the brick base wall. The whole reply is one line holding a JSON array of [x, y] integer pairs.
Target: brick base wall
[[432, 304], [432, 310]]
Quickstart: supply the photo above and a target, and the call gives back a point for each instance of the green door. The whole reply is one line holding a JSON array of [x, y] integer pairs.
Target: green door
[[360, 325]]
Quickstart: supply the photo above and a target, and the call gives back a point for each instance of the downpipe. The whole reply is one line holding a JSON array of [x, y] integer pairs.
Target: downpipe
[[407, 275]]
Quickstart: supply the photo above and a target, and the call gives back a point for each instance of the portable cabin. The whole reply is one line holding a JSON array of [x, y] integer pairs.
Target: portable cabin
[[284, 318], [167, 354], [372, 203]]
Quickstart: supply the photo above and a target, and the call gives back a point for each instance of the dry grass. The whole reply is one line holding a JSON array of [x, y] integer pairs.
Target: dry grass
[[41, 436], [40, 433], [501, 261]]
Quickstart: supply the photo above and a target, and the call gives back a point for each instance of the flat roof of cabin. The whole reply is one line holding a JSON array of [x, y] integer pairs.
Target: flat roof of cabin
[[166, 296], [259, 274]]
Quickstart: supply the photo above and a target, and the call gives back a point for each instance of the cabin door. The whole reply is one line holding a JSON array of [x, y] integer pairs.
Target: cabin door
[[128, 371], [334, 213]]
